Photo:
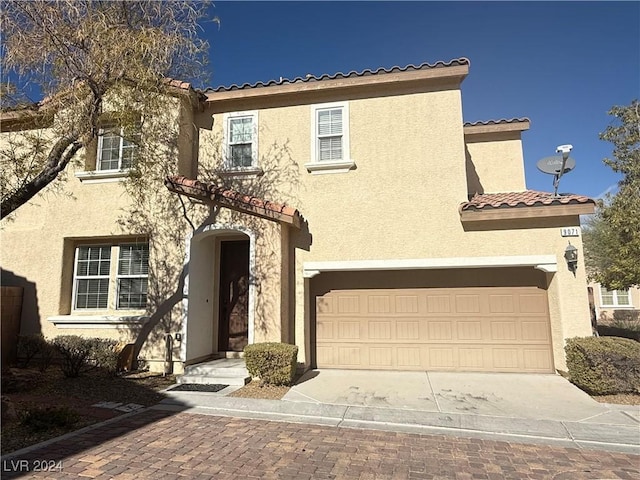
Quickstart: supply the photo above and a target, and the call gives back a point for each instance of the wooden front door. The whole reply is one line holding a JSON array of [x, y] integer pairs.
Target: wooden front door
[[233, 325]]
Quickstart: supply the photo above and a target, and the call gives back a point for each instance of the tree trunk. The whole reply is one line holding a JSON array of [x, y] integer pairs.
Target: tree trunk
[[57, 160], [163, 309]]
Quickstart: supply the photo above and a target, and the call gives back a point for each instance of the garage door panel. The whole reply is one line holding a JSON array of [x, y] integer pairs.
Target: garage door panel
[[409, 357], [379, 304], [533, 303], [439, 330], [348, 304], [533, 331], [503, 330], [324, 330], [467, 303], [438, 303], [460, 329], [406, 304], [501, 303], [471, 358], [381, 356], [537, 359], [407, 330], [469, 329]]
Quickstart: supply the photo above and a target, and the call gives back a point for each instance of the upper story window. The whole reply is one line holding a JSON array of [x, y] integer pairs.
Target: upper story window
[[98, 284], [115, 152], [329, 134], [241, 141], [330, 138], [614, 298]]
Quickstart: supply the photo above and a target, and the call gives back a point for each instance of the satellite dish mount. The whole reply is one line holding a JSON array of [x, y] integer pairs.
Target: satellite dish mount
[[557, 165]]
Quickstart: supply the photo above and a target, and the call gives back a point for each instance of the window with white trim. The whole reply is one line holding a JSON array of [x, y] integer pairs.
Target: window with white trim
[[93, 266], [115, 152], [133, 275], [100, 284], [330, 138], [241, 140], [329, 131], [614, 298]]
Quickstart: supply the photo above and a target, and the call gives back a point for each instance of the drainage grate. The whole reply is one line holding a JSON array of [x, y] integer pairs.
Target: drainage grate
[[198, 387]]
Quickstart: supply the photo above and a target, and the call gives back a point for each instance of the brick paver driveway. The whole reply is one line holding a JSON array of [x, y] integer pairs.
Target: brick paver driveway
[[156, 444]]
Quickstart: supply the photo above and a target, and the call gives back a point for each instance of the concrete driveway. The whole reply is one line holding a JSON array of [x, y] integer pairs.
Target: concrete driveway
[[526, 396]]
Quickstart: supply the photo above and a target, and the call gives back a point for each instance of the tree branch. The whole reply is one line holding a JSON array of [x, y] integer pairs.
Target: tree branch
[[57, 160]]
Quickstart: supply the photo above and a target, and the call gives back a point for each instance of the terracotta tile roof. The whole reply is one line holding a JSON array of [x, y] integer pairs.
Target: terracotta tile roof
[[172, 82], [340, 75], [528, 198], [502, 121], [233, 199]]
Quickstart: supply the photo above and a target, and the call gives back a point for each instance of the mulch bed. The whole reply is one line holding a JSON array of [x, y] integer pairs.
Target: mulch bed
[[30, 389], [198, 387], [257, 390]]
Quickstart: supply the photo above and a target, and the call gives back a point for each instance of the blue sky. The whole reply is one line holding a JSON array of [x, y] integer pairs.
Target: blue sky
[[562, 64]]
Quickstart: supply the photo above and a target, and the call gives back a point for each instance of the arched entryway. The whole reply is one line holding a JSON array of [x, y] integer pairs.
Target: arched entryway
[[221, 292]]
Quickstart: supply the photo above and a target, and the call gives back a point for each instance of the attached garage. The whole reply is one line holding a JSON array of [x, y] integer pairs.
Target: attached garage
[[464, 320]]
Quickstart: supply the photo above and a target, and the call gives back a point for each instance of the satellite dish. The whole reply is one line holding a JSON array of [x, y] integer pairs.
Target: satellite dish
[[553, 165]]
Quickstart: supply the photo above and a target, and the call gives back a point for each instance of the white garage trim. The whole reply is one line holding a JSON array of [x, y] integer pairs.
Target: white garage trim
[[546, 263]]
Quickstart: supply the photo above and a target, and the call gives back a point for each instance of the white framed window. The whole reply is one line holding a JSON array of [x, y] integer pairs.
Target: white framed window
[[91, 277], [100, 284], [133, 276], [241, 141], [614, 298], [115, 152], [330, 138]]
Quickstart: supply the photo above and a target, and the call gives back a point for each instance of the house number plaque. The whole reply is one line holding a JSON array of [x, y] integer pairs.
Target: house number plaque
[[570, 232]]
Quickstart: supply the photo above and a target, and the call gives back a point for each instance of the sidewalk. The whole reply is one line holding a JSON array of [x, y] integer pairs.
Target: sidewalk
[[616, 429]]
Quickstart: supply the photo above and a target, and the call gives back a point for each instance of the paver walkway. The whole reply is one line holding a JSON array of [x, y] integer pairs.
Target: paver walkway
[[160, 444]]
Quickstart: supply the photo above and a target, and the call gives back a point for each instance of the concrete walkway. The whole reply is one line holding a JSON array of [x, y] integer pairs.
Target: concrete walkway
[[542, 409]]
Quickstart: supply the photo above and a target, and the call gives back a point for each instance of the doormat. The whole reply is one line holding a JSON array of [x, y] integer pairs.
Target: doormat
[[197, 387]]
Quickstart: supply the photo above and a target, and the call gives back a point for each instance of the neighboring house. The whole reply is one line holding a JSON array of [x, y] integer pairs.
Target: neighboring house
[[363, 220], [615, 306]]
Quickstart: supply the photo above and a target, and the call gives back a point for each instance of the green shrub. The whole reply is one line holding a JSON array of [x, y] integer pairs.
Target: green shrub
[[29, 346], [47, 354], [273, 363], [615, 331], [76, 353], [104, 354], [42, 419], [604, 365]]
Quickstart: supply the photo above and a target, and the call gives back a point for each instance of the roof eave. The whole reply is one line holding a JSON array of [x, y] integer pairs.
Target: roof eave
[[526, 212], [197, 191], [453, 74], [498, 127]]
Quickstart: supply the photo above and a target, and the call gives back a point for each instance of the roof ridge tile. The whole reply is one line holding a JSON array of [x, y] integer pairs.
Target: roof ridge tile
[[341, 75]]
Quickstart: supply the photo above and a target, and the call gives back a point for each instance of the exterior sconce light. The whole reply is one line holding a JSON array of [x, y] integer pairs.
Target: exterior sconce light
[[571, 256]]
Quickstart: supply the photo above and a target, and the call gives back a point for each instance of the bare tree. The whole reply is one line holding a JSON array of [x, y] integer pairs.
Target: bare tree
[[87, 58]]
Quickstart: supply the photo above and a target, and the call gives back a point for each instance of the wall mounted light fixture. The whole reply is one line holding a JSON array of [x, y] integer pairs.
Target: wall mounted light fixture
[[571, 256]]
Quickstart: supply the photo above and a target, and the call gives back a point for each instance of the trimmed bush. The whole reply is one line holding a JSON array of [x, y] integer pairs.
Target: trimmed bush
[[273, 363], [613, 331], [29, 346], [76, 352], [47, 354], [105, 354], [604, 365]]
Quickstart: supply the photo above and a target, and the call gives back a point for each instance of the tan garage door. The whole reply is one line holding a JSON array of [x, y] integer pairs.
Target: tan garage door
[[485, 329]]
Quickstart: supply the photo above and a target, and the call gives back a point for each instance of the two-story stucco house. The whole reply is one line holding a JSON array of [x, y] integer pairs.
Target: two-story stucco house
[[359, 218]]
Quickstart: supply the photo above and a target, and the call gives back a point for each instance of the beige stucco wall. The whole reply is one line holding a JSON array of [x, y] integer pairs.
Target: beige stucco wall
[[402, 199], [38, 244], [495, 162], [400, 202]]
